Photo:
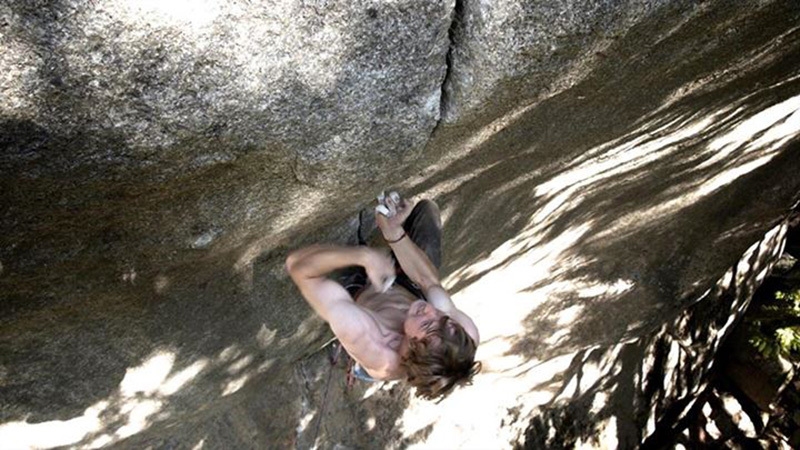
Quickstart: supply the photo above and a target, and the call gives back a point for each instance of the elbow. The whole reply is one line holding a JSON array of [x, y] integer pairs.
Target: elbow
[[291, 263]]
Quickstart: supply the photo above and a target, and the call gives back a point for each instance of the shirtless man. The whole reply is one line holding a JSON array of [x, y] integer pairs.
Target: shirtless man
[[405, 329]]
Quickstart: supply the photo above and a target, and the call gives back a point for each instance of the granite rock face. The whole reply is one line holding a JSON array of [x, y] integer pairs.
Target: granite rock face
[[158, 159], [184, 86], [151, 151], [117, 106], [515, 52]]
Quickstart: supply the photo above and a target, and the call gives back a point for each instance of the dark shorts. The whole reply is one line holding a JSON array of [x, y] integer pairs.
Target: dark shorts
[[424, 227]]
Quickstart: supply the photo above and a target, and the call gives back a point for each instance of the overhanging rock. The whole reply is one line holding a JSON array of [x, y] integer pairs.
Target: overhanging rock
[[159, 160], [160, 127]]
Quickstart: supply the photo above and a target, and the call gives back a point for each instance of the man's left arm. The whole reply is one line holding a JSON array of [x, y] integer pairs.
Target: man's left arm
[[308, 268], [419, 268]]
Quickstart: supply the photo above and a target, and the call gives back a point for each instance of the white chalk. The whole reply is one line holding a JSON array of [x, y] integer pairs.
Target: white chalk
[[382, 209], [389, 282]]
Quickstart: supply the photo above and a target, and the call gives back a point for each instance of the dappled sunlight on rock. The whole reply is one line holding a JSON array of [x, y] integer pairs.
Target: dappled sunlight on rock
[[597, 289], [461, 423], [305, 420], [375, 387], [54, 433], [600, 168], [544, 351], [175, 12], [240, 364], [500, 299], [229, 353], [138, 414], [235, 384], [141, 395], [142, 399], [755, 142], [624, 155], [532, 263], [147, 378], [174, 383], [778, 123]]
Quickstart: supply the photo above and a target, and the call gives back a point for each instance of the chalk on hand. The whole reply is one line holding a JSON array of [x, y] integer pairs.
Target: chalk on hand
[[388, 283], [382, 209], [395, 196]]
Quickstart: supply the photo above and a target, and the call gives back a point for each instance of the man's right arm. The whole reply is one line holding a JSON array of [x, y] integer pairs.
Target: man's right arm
[[309, 267], [414, 262]]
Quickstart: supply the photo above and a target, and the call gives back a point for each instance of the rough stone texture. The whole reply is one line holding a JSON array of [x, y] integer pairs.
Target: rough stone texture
[[150, 152], [119, 117], [144, 301], [184, 85], [511, 53]]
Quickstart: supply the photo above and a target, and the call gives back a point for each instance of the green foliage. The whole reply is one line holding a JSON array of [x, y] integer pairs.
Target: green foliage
[[792, 298], [775, 328]]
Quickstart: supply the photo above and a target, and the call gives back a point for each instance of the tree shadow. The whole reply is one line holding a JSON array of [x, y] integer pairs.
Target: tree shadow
[[229, 321], [645, 386], [621, 201], [644, 184], [530, 153]]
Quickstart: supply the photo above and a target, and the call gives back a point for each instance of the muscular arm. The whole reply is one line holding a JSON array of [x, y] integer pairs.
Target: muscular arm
[[415, 263], [418, 266], [308, 268], [420, 269]]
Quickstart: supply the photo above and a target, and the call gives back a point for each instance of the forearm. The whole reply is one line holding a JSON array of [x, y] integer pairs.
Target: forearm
[[319, 260], [415, 263]]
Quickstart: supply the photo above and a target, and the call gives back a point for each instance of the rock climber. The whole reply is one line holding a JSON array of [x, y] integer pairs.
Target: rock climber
[[388, 308]]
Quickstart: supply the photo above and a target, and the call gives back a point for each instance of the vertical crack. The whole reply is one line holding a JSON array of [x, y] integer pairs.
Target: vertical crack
[[456, 21]]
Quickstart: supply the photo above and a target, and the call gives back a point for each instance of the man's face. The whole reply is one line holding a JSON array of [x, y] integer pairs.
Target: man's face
[[422, 318]]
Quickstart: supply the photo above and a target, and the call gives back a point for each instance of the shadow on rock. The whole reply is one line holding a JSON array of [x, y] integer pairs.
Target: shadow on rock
[[636, 393]]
